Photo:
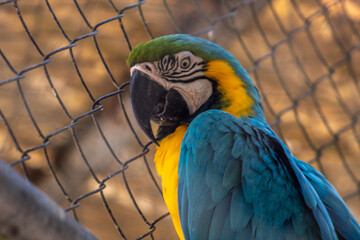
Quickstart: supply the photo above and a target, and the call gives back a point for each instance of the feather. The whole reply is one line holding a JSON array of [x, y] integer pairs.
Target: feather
[[232, 174], [240, 211], [221, 211], [249, 184]]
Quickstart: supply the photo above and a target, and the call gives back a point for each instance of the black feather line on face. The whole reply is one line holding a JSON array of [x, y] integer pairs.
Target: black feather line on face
[[176, 63], [159, 65], [173, 63], [186, 75], [166, 62], [170, 62], [187, 81]]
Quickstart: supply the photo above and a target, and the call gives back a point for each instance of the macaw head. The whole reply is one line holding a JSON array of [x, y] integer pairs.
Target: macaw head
[[174, 78]]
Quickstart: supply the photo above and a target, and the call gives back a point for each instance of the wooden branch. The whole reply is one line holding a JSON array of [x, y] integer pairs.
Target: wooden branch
[[28, 214]]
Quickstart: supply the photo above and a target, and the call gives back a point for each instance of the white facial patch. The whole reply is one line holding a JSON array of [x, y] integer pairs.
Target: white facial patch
[[184, 73], [195, 93]]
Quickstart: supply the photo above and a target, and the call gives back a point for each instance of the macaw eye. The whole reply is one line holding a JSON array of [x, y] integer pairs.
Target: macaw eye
[[185, 63]]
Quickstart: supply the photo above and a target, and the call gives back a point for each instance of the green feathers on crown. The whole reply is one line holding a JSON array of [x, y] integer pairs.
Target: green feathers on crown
[[159, 47]]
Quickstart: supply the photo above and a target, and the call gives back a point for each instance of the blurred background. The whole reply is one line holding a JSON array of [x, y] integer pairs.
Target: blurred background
[[65, 121]]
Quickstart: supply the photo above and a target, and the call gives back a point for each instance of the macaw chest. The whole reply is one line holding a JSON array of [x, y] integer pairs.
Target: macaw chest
[[166, 161]]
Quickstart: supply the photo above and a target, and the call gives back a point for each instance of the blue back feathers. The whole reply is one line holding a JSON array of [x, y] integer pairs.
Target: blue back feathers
[[237, 180]]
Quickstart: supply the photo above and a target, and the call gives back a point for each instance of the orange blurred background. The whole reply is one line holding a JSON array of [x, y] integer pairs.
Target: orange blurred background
[[304, 57]]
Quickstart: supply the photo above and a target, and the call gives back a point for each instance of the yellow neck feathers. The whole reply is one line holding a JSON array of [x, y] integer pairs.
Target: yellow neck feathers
[[238, 102], [167, 160]]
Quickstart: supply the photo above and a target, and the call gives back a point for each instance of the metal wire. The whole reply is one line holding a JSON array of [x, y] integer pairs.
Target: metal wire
[[85, 40]]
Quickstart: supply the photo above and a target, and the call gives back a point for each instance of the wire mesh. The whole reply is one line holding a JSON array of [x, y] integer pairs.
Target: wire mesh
[[67, 127]]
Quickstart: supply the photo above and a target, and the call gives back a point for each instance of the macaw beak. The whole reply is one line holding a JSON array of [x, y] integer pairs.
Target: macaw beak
[[145, 94], [151, 101]]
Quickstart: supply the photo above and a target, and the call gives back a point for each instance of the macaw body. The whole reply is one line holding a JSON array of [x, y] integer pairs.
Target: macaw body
[[225, 174]]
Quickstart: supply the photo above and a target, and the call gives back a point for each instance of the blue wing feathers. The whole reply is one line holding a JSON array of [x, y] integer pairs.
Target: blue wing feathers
[[343, 220], [313, 201], [218, 218], [241, 212], [222, 150], [238, 140], [262, 230], [202, 153], [232, 174], [227, 232], [213, 176], [241, 182]]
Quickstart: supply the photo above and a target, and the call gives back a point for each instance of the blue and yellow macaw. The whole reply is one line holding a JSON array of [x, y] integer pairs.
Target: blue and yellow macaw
[[225, 174]]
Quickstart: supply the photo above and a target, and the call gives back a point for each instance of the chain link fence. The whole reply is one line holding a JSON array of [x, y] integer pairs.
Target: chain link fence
[[67, 127]]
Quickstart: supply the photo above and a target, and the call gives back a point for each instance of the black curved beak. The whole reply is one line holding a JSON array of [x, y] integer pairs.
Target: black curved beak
[[150, 101], [145, 94]]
